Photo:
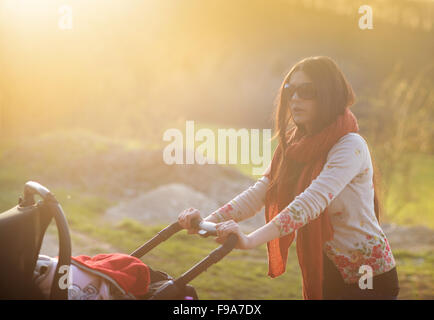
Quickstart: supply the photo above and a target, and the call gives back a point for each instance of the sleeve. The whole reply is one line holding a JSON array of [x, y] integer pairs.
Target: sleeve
[[344, 162], [244, 205]]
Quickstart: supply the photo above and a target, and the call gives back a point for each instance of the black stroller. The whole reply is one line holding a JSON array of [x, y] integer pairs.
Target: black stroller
[[26, 224]]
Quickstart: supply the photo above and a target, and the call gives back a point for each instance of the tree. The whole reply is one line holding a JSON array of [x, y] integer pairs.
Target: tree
[[399, 121]]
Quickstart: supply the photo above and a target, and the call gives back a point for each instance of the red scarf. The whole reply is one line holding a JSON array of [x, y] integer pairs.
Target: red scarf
[[312, 152]]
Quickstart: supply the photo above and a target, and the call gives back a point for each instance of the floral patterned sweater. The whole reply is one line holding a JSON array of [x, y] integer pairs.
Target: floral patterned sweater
[[344, 186]]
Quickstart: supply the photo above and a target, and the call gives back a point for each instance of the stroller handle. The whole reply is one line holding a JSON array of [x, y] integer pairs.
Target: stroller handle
[[161, 236], [206, 228], [30, 189], [176, 285]]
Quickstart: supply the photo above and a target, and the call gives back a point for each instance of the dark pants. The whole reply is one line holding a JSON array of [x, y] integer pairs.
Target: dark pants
[[384, 286]]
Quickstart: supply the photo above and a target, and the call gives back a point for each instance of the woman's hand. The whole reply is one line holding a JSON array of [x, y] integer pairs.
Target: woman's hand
[[227, 227], [185, 218]]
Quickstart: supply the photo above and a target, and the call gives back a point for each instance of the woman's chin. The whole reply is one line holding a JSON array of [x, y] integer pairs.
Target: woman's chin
[[299, 121], [300, 124]]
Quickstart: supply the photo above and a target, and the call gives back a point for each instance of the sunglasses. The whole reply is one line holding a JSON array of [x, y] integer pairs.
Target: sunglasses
[[304, 91]]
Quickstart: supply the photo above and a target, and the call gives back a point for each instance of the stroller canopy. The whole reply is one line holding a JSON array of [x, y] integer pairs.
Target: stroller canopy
[[22, 230]]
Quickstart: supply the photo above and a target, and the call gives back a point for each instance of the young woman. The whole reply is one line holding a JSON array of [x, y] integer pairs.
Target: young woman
[[319, 189]]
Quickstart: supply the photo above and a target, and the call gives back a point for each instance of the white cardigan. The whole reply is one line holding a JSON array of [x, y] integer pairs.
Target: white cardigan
[[344, 186]]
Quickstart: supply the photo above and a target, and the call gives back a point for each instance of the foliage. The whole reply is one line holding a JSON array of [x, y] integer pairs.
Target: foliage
[[398, 120]]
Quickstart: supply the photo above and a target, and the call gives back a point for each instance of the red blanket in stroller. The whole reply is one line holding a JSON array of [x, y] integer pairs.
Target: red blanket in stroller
[[129, 272], [104, 276]]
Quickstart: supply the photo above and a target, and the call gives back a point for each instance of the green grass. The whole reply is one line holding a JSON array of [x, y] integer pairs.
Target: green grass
[[419, 207], [416, 274]]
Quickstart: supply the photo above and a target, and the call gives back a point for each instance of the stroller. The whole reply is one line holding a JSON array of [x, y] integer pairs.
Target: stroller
[[22, 230]]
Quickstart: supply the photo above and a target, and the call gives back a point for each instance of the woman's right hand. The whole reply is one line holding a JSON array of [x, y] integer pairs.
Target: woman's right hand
[[186, 217]]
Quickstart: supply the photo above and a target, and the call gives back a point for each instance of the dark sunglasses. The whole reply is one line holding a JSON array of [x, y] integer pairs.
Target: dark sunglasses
[[304, 91]]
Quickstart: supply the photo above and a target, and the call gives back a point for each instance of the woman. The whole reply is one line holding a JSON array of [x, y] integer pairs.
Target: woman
[[319, 189]]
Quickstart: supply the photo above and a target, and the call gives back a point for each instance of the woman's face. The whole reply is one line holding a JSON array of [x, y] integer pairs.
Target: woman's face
[[302, 110]]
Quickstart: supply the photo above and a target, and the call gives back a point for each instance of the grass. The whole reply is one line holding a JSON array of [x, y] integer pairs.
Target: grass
[[416, 274], [419, 207]]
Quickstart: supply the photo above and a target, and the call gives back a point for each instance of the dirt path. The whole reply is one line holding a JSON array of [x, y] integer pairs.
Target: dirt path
[[412, 238], [81, 244]]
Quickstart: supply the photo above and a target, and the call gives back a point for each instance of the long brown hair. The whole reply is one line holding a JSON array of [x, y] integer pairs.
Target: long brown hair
[[334, 94]]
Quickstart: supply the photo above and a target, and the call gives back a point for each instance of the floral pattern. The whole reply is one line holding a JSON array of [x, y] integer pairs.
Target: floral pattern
[[226, 209], [290, 219], [227, 212], [374, 251]]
